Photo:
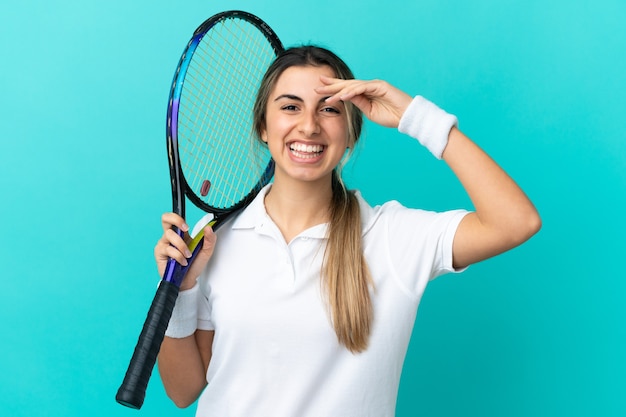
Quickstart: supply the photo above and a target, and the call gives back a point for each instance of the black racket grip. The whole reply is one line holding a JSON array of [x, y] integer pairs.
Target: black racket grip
[[133, 389]]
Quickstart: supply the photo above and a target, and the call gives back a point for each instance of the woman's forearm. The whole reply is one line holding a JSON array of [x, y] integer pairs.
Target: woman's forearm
[[183, 364], [504, 216]]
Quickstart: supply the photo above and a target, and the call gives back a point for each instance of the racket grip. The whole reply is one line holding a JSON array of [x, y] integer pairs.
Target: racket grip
[[133, 389]]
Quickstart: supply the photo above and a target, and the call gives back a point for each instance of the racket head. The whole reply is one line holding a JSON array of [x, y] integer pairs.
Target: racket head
[[215, 161]]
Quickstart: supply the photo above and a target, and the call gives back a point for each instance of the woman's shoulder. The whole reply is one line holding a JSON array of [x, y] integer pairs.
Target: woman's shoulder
[[375, 215], [394, 212]]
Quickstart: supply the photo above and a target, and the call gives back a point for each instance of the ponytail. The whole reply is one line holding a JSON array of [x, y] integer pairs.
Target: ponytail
[[346, 276]]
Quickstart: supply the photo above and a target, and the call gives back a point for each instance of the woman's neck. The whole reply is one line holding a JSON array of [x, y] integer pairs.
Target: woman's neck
[[296, 206]]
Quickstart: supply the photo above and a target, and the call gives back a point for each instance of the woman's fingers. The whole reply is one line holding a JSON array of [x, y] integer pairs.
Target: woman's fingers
[[175, 240], [172, 239], [344, 90], [172, 219], [176, 254], [379, 101], [171, 244], [209, 241], [200, 261]]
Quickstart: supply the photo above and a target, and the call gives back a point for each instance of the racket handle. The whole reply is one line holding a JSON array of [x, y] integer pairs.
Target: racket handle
[[133, 389]]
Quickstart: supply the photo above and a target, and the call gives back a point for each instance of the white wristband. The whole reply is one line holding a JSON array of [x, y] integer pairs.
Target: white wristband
[[184, 320], [427, 123]]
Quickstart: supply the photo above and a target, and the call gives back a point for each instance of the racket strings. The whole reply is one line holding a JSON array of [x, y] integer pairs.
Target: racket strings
[[226, 124], [234, 126], [215, 113]]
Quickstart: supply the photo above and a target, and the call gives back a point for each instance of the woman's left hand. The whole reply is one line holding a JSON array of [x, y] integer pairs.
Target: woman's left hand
[[379, 101]]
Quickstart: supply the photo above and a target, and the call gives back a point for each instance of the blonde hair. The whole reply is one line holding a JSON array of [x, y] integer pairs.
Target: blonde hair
[[345, 275]]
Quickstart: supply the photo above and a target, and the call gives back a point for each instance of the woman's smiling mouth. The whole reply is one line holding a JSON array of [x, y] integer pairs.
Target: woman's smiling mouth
[[305, 151]]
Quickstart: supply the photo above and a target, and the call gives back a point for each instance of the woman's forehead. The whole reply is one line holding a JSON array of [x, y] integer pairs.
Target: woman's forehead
[[303, 76]]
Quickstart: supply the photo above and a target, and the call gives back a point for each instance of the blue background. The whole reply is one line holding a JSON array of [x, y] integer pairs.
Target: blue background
[[540, 85]]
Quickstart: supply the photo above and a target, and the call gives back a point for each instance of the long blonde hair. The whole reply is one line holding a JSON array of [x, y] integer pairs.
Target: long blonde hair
[[345, 275]]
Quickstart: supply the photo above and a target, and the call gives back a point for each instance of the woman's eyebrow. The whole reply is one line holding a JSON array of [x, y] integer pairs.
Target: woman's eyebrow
[[296, 98], [288, 97]]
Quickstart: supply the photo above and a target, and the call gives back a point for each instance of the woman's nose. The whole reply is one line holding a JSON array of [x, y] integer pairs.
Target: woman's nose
[[309, 125]]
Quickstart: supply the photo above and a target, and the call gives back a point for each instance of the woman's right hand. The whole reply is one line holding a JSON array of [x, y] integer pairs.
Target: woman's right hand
[[171, 245]]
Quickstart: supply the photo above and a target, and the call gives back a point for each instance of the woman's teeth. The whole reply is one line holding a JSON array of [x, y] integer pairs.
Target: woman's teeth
[[306, 151]]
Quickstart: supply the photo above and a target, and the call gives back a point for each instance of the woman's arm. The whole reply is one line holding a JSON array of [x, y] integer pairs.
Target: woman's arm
[[504, 217], [183, 362]]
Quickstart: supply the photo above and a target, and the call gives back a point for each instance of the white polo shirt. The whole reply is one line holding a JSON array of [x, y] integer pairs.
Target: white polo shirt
[[275, 352]]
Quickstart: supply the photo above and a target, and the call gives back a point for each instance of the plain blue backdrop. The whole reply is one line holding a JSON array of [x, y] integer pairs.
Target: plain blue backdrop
[[540, 85]]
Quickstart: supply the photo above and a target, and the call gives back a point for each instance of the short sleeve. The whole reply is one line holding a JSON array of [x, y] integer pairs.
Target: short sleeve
[[420, 243]]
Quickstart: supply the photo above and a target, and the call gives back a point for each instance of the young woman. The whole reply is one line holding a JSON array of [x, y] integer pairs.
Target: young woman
[[303, 305]]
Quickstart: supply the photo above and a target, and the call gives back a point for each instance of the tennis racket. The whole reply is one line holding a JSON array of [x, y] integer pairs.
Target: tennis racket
[[213, 159]]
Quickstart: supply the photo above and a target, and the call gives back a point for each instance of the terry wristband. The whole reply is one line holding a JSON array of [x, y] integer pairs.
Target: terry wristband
[[427, 123], [184, 320]]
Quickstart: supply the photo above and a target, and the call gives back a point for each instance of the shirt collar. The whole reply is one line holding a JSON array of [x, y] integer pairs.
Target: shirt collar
[[255, 216]]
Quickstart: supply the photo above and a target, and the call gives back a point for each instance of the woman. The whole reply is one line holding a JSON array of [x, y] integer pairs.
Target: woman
[[316, 317]]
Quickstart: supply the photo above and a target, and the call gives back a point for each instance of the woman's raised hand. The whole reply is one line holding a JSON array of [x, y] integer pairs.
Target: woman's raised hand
[[171, 245], [379, 101]]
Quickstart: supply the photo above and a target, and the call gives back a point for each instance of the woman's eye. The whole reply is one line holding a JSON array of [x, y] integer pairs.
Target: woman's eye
[[330, 110], [290, 107]]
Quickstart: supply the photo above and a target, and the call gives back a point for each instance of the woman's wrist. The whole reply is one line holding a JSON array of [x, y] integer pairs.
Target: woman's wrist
[[427, 123], [184, 319]]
